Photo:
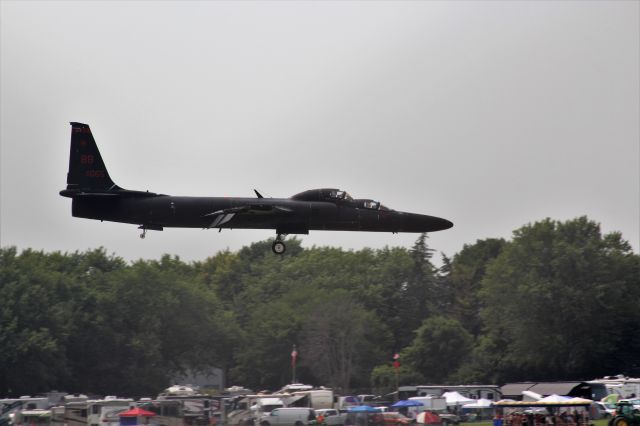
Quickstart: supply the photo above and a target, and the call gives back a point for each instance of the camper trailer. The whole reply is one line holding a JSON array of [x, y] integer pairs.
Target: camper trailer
[[106, 412]]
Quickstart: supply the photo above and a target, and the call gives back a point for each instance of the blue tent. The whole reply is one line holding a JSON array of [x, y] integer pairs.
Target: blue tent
[[363, 409], [407, 403]]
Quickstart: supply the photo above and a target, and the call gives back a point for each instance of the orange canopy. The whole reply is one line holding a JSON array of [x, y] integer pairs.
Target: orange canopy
[[137, 412]]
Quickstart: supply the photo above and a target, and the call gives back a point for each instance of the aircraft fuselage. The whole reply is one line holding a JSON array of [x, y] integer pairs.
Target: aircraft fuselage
[[164, 211], [95, 196]]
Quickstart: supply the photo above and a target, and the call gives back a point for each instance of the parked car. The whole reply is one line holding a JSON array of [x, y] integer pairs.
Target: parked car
[[393, 418], [606, 409], [331, 416]]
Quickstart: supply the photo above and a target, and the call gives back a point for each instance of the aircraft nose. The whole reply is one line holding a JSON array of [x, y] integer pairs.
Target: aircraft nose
[[412, 222]]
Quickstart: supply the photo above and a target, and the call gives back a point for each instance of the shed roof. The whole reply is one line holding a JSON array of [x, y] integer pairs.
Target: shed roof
[[515, 389], [558, 388]]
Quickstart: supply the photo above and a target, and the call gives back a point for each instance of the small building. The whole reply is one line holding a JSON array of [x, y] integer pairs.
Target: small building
[[470, 391], [587, 390]]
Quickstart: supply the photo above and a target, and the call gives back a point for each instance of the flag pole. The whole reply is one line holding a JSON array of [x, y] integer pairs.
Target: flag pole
[[294, 356], [396, 368]]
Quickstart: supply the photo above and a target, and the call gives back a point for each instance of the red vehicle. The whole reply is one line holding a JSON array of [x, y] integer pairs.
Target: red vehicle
[[395, 419]]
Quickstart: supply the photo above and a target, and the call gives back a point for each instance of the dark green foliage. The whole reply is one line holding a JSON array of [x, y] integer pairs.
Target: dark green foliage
[[439, 348], [558, 301], [467, 270]]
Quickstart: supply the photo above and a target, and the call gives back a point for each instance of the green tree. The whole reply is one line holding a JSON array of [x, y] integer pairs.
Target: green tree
[[558, 302], [386, 379], [48, 295], [440, 346], [342, 340], [467, 270]]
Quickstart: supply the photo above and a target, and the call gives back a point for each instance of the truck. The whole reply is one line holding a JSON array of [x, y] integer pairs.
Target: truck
[[296, 416]]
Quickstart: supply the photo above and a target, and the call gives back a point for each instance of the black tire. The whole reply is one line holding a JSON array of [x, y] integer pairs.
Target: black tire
[[265, 424], [278, 247], [298, 423]]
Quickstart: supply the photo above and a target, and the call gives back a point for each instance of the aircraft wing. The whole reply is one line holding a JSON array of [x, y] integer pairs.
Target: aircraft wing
[[222, 217]]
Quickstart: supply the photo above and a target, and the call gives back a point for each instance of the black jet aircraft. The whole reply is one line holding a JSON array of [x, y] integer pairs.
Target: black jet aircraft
[[95, 196]]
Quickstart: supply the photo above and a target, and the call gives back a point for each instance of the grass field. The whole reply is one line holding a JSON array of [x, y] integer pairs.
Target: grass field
[[602, 422]]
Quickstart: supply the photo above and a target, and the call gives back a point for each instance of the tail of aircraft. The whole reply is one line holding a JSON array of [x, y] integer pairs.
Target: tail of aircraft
[[87, 172]]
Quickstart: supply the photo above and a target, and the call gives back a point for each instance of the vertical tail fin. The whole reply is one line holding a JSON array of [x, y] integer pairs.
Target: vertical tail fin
[[87, 171]]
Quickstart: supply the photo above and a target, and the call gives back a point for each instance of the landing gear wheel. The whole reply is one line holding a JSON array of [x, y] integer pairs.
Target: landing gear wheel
[[278, 247], [144, 233]]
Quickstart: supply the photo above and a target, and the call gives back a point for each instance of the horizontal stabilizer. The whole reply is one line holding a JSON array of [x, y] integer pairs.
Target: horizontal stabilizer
[[78, 193]]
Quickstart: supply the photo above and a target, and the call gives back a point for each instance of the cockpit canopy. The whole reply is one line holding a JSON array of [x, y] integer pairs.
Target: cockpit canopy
[[337, 195], [371, 205], [324, 194]]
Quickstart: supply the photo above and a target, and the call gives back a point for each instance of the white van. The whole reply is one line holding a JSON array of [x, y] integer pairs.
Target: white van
[[288, 417]]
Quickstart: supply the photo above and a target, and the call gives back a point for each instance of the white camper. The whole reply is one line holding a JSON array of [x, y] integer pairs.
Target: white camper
[[106, 412], [316, 399]]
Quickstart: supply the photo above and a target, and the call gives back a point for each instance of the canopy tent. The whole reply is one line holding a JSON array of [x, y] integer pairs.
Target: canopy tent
[[454, 398], [408, 403], [554, 398], [36, 413], [130, 417], [572, 402], [137, 412], [570, 411], [479, 403], [580, 401], [428, 418]]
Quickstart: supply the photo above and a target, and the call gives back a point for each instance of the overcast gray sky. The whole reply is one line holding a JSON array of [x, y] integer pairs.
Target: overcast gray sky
[[490, 114]]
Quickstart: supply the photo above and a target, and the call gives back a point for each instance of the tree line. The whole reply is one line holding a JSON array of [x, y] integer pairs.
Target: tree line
[[557, 301]]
